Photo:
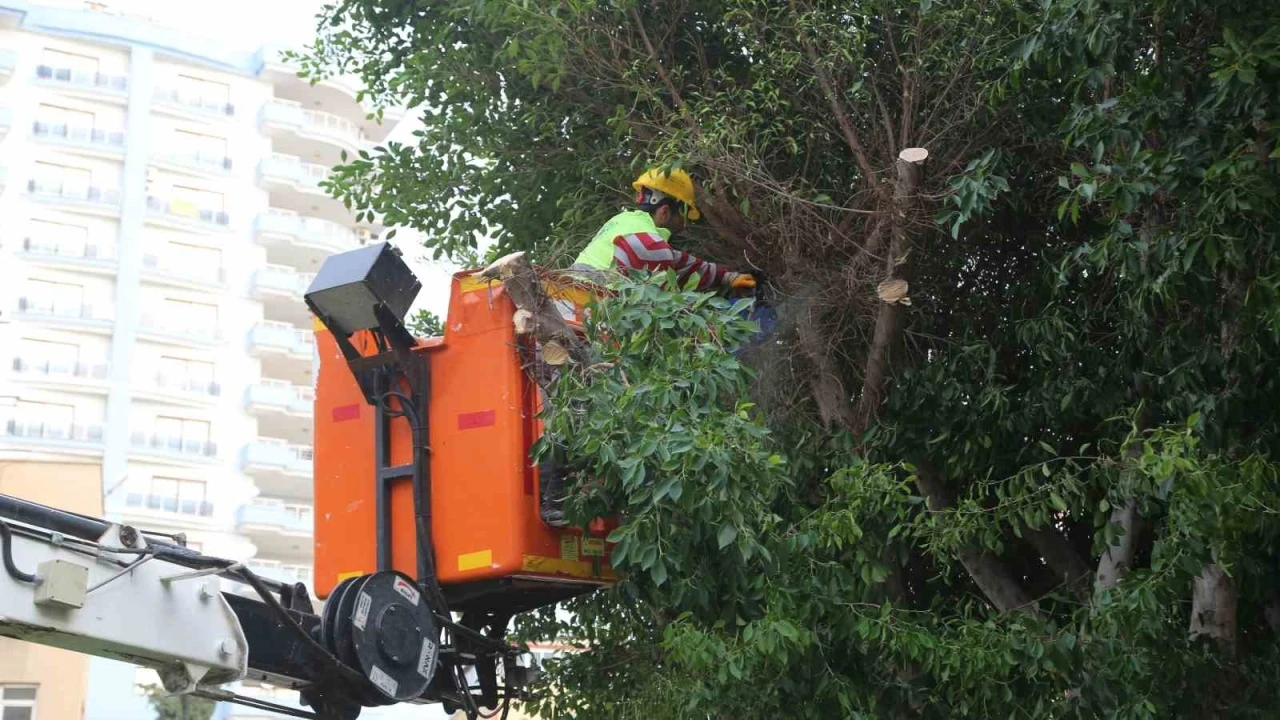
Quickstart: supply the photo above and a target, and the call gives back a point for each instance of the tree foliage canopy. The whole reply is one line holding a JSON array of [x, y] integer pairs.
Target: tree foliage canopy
[[1045, 487]]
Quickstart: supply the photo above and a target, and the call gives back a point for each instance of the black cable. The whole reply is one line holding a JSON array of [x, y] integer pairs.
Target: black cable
[[9, 565]]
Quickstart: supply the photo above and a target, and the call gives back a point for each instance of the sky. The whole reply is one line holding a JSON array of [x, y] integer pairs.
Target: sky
[[249, 24]]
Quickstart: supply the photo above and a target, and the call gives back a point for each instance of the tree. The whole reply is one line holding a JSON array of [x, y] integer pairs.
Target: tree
[[1014, 455], [426, 324], [178, 707]]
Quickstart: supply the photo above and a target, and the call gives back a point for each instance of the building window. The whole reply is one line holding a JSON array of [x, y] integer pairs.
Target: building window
[[18, 702], [62, 178], [45, 352], [206, 90], [189, 373], [191, 314], [197, 199], [207, 147], [65, 117], [186, 497], [75, 62], [58, 238], [198, 260], [37, 419], [189, 432], [57, 297]]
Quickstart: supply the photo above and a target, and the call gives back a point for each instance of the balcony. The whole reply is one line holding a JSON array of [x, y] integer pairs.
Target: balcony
[[279, 467], [93, 141], [280, 281], [279, 397], [90, 199], [72, 375], [183, 215], [176, 389], [174, 102], [164, 271], [8, 63], [93, 84], [69, 438], [196, 164], [175, 331], [77, 315], [169, 505], [6, 121], [269, 338], [175, 450], [84, 257], [277, 528], [289, 120], [316, 237], [288, 172]]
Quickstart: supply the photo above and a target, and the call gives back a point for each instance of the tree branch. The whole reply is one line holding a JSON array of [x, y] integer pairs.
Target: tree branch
[[847, 129], [1214, 597], [995, 581]]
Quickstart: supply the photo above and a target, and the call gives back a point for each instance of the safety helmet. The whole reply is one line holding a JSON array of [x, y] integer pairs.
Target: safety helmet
[[676, 184]]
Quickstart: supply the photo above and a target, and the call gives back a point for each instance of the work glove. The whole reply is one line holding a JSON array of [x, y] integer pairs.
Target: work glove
[[741, 281]]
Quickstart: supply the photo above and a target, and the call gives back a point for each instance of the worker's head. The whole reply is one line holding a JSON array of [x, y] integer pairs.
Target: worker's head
[[667, 197]]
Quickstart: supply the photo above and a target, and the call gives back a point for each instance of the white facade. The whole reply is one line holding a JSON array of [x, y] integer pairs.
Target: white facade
[[160, 218]]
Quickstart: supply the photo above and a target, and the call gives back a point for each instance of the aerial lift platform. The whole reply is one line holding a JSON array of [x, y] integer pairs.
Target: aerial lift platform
[[428, 535]]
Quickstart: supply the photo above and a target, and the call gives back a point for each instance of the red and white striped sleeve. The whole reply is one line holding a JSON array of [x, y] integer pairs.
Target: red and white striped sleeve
[[710, 275], [642, 251]]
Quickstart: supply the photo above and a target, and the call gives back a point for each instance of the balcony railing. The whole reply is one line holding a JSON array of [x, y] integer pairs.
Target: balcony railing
[[78, 194], [60, 369], [315, 231], [53, 431], [290, 169], [175, 98], [187, 385], [115, 84], [281, 395], [281, 516], [199, 161], [78, 251], [193, 272], [326, 126], [270, 335], [184, 211], [282, 279], [177, 446], [50, 308], [164, 503], [278, 455], [93, 138], [176, 327]]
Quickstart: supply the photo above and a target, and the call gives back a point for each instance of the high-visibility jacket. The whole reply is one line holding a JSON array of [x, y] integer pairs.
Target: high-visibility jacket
[[631, 241]]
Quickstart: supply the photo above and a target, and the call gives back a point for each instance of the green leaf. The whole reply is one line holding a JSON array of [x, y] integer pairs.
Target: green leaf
[[1058, 503], [726, 535]]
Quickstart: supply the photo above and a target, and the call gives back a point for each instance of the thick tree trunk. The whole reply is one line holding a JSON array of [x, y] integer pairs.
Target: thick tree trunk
[[1271, 610], [1214, 597], [1118, 557], [1062, 558], [995, 581], [893, 291]]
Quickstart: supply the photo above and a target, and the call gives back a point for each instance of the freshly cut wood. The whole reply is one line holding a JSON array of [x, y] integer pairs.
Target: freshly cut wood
[[524, 286], [523, 320], [894, 291], [914, 155], [553, 353]]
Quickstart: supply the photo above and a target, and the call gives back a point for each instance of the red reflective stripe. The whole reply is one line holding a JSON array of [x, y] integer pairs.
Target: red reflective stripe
[[343, 413], [621, 243], [472, 420]]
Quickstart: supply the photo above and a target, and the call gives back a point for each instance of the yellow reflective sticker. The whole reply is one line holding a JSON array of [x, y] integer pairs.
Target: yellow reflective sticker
[[475, 560], [470, 283], [316, 325], [349, 574], [556, 566], [569, 548]]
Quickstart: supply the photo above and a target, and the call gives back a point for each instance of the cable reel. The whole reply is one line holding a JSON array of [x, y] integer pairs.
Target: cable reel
[[381, 625]]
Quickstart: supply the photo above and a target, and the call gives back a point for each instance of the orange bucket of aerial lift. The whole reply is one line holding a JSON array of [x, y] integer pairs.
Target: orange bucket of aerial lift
[[492, 550]]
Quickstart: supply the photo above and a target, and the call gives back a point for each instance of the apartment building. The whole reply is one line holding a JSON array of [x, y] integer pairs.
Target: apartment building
[[160, 216]]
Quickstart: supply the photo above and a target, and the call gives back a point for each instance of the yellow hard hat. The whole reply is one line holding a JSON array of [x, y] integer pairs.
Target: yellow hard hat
[[677, 184]]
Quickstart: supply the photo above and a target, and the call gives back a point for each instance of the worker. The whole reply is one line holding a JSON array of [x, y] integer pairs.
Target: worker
[[638, 239]]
